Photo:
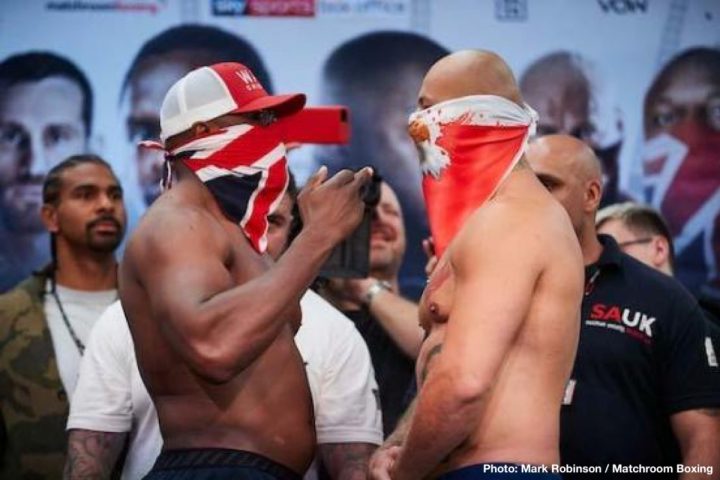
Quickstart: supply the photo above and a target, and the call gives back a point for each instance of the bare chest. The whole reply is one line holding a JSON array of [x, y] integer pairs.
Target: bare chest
[[242, 261], [436, 300]]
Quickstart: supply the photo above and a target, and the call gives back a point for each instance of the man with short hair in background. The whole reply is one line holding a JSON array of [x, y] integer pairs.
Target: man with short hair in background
[[45, 321], [46, 108], [641, 232]]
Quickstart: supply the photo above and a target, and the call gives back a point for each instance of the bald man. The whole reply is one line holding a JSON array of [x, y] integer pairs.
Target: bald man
[[645, 388], [501, 307]]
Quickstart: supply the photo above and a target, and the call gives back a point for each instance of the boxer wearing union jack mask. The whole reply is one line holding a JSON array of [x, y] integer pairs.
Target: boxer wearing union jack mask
[[501, 307], [212, 319], [243, 166]]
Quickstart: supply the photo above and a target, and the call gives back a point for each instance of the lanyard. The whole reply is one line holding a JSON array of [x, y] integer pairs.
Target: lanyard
[[591, 282]]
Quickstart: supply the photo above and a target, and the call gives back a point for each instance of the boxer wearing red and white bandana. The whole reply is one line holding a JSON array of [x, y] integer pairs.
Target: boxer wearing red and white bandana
[[501, 307], [467, 147]]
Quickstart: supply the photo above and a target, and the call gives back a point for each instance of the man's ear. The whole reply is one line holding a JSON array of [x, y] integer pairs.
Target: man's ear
[[593, 195], [661, 250], [48, 215]]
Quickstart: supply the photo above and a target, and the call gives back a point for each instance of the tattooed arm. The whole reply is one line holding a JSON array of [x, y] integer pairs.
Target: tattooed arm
[[384, 457], [92, 455], [346, 461], [698, 434]]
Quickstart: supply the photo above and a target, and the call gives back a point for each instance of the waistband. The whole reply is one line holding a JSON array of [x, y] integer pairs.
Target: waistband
[[222, 457]]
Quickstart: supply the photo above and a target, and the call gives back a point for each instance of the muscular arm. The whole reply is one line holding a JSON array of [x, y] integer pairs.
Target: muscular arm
[[698, 434], [217, 326], [346, 461], [383, 459], [92, 455], [495, 275], [397, 437]]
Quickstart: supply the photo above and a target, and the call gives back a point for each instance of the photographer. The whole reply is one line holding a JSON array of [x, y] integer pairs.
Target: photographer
[[387, 321]]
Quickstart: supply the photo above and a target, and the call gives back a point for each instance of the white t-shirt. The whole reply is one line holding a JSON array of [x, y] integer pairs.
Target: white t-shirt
[[110, 395], [83, 309]]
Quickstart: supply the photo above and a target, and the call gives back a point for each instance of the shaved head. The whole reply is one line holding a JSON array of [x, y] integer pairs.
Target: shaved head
[[567, 154], [468, 72], [572, 173]]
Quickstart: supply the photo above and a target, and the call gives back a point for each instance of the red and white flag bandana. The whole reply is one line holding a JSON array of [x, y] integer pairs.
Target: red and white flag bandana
[[245, 169], [467, 147]]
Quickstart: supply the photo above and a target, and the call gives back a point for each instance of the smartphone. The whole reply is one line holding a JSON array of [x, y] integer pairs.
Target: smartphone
[[351, 258]]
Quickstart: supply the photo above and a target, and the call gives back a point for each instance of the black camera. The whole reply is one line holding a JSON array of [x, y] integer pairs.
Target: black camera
[[351, 258]]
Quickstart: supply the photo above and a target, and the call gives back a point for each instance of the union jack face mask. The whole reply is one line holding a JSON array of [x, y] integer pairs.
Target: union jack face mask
[[467, 147], [245, 169]]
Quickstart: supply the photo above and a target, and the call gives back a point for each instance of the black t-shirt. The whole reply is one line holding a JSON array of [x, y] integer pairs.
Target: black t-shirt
[[394, 370], [643, 356]]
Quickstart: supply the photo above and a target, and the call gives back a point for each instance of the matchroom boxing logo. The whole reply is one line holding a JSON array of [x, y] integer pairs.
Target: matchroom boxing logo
[[635, 324]]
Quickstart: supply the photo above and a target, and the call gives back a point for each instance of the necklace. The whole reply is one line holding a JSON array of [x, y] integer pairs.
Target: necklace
[[78, 343]]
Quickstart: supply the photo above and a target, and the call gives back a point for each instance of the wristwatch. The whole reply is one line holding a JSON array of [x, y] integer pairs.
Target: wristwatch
[[377, 287]]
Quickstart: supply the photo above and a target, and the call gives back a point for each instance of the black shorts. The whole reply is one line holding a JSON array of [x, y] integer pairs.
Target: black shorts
[[217, 464], [499, 471]]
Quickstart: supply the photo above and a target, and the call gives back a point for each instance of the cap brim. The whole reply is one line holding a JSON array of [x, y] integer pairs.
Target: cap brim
[[282, 104]]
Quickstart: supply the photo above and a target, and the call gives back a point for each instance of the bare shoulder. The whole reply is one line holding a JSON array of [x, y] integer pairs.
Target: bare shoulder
[[491, 234], [527, 230], [169, 229]]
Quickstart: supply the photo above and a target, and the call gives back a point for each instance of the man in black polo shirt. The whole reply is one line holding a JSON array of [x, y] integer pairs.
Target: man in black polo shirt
[[645, 389]]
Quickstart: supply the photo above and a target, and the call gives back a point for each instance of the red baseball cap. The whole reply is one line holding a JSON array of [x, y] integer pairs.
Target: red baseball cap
[[210, 92]]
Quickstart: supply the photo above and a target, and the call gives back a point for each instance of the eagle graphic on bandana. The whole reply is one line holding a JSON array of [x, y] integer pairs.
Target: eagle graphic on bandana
[[467, 147]]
